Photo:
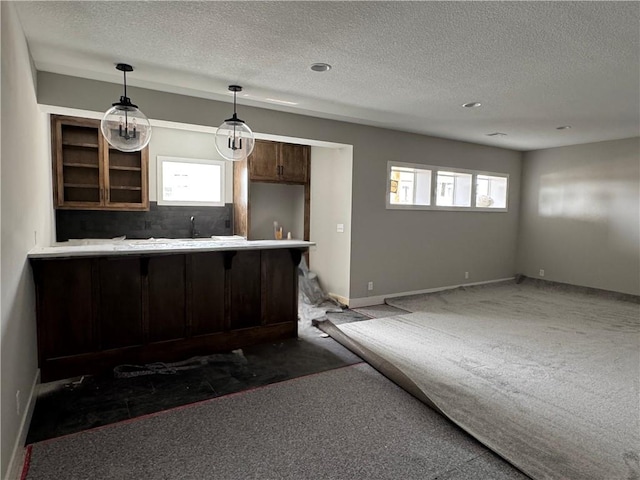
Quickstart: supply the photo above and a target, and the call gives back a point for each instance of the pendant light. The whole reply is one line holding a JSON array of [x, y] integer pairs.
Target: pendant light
[[234, 139], [123, 125]]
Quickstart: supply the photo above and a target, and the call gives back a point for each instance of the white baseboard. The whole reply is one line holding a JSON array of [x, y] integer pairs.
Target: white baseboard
[[379, 299], [14, 472], [340, 298]]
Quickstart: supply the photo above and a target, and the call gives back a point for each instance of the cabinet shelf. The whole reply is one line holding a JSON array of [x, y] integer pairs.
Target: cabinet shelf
[[129, 169], [123, 187], [79, 144], [79, 165], [81, 185]]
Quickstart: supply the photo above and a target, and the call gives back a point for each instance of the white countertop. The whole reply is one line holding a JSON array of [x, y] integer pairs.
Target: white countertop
[[97, 247]]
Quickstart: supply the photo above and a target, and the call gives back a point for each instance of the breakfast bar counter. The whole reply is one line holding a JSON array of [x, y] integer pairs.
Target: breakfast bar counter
[[102, 304]]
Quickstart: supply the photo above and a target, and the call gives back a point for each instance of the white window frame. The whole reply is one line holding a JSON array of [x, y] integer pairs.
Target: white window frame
[[434, 184], [160, 159]]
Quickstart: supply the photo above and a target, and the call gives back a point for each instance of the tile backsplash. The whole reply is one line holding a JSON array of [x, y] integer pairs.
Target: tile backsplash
[[159, 222]]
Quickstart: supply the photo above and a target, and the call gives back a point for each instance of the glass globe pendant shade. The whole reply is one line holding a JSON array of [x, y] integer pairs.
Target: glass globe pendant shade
[[126, 128], [234, 140]]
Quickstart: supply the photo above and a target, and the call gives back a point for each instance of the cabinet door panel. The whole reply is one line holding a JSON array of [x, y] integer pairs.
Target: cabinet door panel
[[167, 313], [207, 293], [66, 318], [294, 160], [245, 290], [263, 162], [279, 287], [126, 180], [120, 305]]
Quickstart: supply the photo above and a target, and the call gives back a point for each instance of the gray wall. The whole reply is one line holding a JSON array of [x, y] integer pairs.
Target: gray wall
[[276, 202], [398, 250], [27, 216], [580, 215]]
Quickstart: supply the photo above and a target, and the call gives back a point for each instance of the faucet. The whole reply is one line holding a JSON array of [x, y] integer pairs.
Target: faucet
[[193, 231]]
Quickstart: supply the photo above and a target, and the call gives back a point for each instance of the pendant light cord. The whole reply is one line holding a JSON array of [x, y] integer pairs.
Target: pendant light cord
[[235, 93], [234, 102], [125, 83]]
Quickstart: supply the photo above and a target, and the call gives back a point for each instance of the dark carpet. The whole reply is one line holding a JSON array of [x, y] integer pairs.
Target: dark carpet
[[347, 423]]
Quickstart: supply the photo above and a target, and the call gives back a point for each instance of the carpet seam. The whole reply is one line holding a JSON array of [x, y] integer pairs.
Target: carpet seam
[[27, 463]]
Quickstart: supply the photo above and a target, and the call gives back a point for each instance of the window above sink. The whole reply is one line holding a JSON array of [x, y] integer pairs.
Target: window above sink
[[190, 181]]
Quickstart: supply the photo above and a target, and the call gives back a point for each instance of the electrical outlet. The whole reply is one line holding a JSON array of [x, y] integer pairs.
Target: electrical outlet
[[340, 228], [466, 275], [542, 272], [18, 406], [370, 286]]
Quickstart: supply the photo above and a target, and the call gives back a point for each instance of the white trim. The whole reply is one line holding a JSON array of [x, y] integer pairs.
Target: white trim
[[14, 472], [379, 299]]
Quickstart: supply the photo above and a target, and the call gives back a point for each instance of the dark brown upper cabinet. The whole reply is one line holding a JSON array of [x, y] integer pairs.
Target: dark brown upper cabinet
[[279, 162], [88, 174]]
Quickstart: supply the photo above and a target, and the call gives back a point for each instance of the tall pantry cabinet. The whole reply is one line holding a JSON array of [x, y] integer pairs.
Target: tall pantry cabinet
[[270, 163]]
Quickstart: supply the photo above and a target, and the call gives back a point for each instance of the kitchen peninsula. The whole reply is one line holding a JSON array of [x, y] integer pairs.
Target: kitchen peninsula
[[139, 301]]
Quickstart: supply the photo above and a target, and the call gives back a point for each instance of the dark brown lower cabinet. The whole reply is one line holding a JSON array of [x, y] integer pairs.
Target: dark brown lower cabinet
[[119, 302], [94, 313], [278, 282], [166, 286], [245, 290], [206, 290]]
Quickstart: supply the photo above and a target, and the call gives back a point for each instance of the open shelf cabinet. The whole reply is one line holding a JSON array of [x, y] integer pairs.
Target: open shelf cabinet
[[89, 174]]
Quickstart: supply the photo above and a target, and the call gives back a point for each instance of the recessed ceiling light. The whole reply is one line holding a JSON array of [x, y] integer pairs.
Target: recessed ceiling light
[[563, 127], [320, 67], [471, 104], [496, 134]]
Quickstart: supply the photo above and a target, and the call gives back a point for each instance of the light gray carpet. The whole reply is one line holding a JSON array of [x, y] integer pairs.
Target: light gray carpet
[[345, 424], [380, 311], [548, 378]]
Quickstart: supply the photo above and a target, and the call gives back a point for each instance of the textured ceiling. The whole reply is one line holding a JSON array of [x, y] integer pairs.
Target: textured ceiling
[[409, 66]]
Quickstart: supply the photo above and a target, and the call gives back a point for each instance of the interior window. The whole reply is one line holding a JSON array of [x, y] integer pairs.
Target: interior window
[[409, 186], [190, 181], [453, 189], [491, 191]]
